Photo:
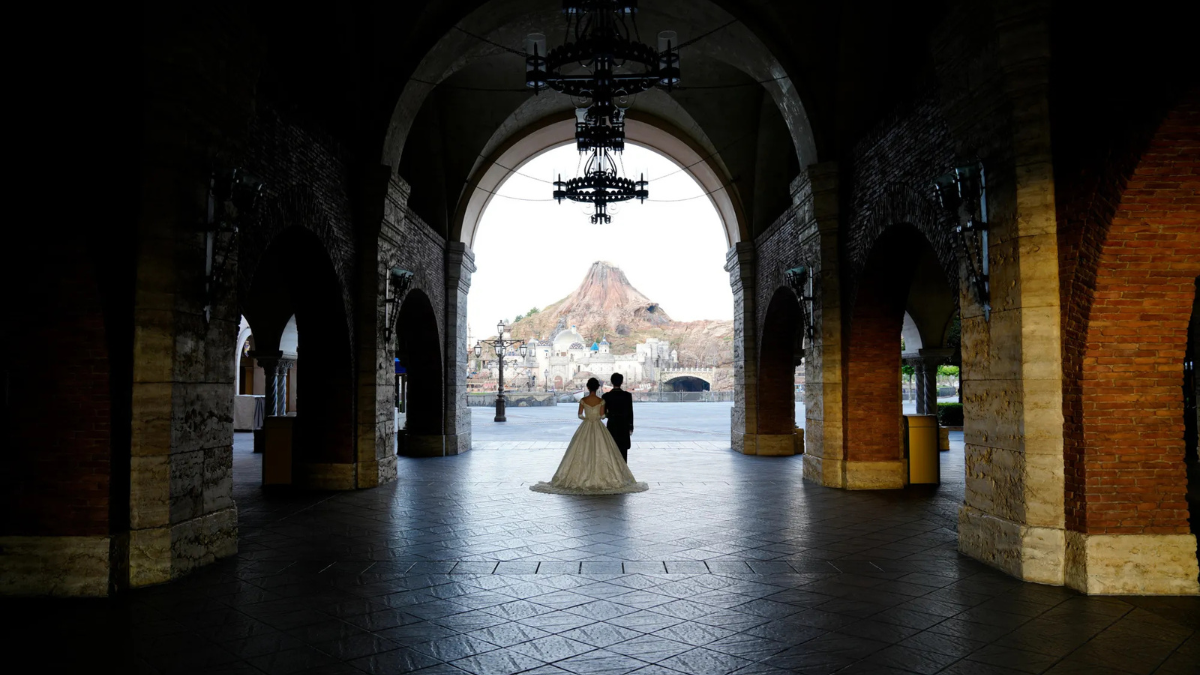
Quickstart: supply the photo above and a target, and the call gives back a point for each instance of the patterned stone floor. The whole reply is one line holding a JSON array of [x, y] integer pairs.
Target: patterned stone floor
[[729, 564]]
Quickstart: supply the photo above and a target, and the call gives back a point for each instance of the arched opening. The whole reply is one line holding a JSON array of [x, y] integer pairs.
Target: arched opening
[[779, 359], [296, 308], [902, 295], [686, 383], [625, 297], [419, 351]]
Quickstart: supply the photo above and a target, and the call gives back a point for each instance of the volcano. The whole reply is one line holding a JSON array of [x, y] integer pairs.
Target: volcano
[[605, 304]]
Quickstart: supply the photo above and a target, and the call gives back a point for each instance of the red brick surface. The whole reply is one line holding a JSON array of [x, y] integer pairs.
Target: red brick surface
[[873, 349], [57, 447], [1123, 396]]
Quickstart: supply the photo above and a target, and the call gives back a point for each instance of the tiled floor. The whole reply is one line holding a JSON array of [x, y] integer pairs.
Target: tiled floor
[[728, 564]]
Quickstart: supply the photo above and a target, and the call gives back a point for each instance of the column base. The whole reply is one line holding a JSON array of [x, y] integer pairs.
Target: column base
[[457, 444], [1132, 564], [839, 473], [1026, 552], [68, 567], [325, 476], [824, 471], [423, 446], [160, 554], [769, 445]]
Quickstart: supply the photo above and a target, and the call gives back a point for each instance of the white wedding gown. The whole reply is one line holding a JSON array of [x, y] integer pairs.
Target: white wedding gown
[[593, 463]]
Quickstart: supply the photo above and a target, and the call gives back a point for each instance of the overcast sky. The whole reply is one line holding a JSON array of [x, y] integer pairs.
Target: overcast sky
[[533, 253]]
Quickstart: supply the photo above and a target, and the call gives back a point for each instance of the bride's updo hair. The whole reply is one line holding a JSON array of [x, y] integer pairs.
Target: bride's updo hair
[[593, 384]]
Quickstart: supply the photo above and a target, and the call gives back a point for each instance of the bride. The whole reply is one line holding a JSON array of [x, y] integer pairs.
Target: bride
[[593, 464]]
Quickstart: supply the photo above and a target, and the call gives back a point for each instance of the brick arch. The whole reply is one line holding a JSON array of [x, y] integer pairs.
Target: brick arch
[[1125, 339], [873, 449], [903, 203], [296, 277], [301, 207], [418, 346], [778, 357]]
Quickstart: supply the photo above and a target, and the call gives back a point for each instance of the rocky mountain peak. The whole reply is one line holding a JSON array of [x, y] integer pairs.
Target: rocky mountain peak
[[606, 291], [606, 306]]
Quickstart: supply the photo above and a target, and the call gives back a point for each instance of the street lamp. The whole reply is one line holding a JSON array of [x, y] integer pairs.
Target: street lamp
[[546, 378], [500, 346]]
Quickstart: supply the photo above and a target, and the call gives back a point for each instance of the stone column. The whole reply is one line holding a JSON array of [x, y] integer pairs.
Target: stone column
[[920, 377], [460, 264], [927, 389], [740, 263], [824, 458], [1013, 516], [275, 367]]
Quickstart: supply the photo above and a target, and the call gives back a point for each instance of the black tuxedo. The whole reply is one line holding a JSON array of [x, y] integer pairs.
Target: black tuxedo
[[618, 408]]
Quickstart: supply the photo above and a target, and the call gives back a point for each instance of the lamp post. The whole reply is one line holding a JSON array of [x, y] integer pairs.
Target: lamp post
[[500, 345]]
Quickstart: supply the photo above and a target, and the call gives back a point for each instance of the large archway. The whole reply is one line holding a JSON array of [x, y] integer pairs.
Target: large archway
[[295, 303], [902, 278], [420, 356], [1126, 478], [780, 354]]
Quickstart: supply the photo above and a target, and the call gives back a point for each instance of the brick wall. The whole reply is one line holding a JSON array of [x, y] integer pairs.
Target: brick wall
[[873, 348], [890, 182], [1124, 443], [57, 428], [307, 184]]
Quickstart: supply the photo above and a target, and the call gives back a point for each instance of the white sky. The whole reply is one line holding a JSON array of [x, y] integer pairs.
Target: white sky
[[533, 253]]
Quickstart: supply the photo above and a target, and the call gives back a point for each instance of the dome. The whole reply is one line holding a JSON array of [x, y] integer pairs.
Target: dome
[[566, 339], [576, 345], [595, 346], [604, 340]]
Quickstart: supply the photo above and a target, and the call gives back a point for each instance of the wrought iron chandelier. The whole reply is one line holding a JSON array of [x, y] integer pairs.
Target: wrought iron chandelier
[[605, 63], [600, 185]]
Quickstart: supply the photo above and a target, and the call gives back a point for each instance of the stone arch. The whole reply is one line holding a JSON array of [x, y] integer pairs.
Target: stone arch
[[1126, 482], [297, 207], [689, 382], [873, 446], [738, 46], [295, 285], [779, 355], [558, 130], [904, 203], [418, 347]]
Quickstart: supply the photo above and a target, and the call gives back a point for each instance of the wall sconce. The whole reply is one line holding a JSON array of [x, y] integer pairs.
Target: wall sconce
[[800, 280], [232, 197], [963, 194], [398, 283]]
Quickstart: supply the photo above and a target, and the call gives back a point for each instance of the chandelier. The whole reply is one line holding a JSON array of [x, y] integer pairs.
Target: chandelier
[[604, 63], [600, 185]]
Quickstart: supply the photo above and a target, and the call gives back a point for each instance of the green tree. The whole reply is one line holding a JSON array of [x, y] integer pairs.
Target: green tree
[[532, 311], [948, 371]]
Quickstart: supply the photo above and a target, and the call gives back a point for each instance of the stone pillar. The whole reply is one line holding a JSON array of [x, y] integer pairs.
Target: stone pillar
[[740, 263], [1013, 515], [921, 378], [927, 388], [824, 459], [275, 368], [383, 207], [460, 264]]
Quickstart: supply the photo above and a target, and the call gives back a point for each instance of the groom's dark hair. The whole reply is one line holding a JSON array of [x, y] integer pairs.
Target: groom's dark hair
[[617, 379]]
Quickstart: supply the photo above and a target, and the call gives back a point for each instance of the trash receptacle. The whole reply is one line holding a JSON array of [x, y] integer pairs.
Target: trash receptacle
[[924, 466]]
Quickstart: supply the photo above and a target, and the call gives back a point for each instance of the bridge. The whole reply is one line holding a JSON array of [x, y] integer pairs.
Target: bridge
[[684, 379]]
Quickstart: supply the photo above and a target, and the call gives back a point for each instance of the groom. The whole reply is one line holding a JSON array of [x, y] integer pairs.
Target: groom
[[618, 408]]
